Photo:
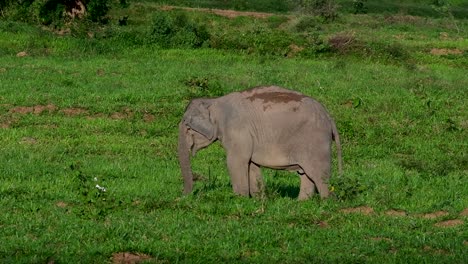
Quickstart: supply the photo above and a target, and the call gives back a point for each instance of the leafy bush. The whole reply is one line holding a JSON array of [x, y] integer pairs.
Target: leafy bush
[[176, 30], [346, 188], [202, 87], [326, 9]]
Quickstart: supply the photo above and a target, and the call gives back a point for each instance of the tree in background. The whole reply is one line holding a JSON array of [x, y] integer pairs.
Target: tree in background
[[56, 12]]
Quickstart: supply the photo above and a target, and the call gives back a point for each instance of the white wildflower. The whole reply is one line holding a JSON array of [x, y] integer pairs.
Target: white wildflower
[[100, 188]]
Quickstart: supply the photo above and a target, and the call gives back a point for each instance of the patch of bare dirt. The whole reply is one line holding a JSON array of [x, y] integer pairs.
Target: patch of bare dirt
[[449, 223], [323, 224], [22, 54], [129, 258], [221, 12], [434, 215], [5, 125], [28, 141], [118, 116], [3, 70], [293, 50], [38, 109], [148, 117], [396, 213], [439, 52], [405, 19], [381, 239], [126, 113], [74, 111], [464, 212], [361, 210], [61, 204], [437, 251]]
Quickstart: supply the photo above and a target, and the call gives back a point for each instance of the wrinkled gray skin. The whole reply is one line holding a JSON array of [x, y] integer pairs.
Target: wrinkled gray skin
[[264, 126]]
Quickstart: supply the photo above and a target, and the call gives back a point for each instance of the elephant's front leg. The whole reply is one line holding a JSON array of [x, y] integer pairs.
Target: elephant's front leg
[[239, 170], [255, 179]]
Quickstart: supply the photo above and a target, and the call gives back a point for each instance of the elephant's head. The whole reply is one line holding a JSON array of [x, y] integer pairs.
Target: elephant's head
[[196, 131]]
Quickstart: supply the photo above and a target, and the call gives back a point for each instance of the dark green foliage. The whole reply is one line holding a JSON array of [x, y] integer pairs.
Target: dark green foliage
[[176, 30], [360, 6], [97, 10], [51, 12]]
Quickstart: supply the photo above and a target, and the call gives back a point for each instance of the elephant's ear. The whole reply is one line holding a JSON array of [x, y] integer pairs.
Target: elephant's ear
[[199, 119]]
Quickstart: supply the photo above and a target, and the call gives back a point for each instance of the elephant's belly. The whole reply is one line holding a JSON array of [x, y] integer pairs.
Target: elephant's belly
[[275, 159]]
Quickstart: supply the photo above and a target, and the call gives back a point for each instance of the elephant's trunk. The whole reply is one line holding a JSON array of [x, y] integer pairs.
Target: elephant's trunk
[[184, 159]]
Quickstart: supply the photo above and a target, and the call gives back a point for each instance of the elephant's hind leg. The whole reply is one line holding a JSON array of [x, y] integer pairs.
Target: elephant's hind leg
[[318, 173], [255, 179], [307, 187]]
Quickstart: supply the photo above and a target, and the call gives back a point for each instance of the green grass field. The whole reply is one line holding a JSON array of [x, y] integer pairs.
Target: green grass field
[[79, 111]]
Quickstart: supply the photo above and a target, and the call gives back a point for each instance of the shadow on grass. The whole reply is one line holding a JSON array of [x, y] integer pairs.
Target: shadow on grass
[[283, 190]]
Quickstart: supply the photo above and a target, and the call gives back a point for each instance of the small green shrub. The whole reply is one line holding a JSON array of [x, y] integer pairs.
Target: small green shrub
[[176, 30], [202, 87], [95, 201], [346, 187], [307, 24]]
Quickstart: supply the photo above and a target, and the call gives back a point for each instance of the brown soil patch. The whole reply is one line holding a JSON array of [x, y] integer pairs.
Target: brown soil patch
[[148, 117], [381, 239], [293, 50], [28, 141], [323, 224], [439, 52], [5, 124], [406, 19], [449, 223], [118, 116], [221, 12], [434, 215], [128, 258], [361, 209], [464, 212], [61, 204], [395, 213], [437, 251], [38, 109], [22, 54], [126, 113], [74, 111]]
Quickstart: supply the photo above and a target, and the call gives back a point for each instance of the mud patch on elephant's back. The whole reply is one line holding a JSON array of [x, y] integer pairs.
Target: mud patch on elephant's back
[[276, 97]]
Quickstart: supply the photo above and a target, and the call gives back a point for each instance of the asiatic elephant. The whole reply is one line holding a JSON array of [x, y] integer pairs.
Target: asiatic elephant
[[264, 126]]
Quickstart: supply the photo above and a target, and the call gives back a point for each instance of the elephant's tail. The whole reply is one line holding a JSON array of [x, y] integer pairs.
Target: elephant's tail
[[336, 138]]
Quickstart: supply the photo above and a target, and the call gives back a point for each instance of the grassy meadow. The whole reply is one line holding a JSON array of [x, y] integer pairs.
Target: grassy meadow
[[98, 107]]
